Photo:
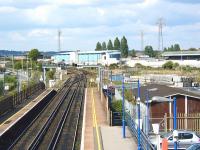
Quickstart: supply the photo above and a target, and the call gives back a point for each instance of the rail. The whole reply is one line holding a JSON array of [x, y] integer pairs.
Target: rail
[[60, 126], [35, 143], [25, 129]]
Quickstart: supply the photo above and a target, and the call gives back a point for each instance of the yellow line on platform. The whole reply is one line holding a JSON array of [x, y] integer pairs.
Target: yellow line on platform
[[95, 125]]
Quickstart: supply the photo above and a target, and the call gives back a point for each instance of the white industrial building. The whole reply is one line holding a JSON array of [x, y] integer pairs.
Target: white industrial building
[[82, 58]]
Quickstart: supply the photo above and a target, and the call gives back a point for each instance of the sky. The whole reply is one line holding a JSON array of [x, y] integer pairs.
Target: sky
[[27, 24]]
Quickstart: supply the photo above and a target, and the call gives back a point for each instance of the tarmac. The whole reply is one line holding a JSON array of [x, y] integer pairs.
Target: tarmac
[[112, 139], [96, 132]]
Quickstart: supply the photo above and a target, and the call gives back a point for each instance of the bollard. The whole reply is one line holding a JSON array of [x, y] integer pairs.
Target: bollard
[[164, 144]]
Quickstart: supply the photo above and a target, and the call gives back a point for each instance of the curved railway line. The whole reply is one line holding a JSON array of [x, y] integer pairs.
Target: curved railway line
[[57, 124]]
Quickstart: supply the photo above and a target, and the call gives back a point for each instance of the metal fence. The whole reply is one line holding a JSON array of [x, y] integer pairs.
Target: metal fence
[[184, 122], [145, 142], [10, 102]]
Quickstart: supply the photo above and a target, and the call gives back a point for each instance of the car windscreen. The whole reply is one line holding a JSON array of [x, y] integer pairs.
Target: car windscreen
[[198, 135]]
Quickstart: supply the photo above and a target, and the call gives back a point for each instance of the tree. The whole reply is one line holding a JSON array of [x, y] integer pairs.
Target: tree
[[18, 65], [34, 54], [104, 46], [192, 49], [117, 44], [98, 46], [124, 47], [40, 66], [110, 45], [165, 49], [1, 88], [149, 51], [132, 53], [50, 74], [172, 48], [177, 47]]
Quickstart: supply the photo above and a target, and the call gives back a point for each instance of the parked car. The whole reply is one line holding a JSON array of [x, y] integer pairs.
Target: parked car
[[185, 139], [194, 147]]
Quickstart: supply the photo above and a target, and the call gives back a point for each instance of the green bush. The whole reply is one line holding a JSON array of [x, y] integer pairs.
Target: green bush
[[187, 68], [50, 74], [129, 96], [175, 65], [138, 65], [168, 65], [117, 106], [113, 66]]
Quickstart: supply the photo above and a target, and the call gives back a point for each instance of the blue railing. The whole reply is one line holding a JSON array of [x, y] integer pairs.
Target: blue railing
[[145, 142]]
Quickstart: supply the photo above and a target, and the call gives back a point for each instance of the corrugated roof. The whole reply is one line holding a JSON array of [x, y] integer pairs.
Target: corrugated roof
[[163, 91], [181, 53]]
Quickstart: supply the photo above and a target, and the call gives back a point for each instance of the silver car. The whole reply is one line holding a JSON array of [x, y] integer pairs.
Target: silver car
[[194, 147], [185, 139]]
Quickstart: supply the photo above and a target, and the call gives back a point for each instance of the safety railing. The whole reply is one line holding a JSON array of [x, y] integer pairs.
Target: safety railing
[[145, 142]]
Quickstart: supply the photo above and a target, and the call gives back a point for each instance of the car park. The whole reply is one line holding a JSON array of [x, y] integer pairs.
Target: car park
[[185, 139]]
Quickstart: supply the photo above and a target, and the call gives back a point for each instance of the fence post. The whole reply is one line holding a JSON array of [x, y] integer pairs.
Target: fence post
[[165, 122], [111, 118], [186, 117], [107, 112], [170, 121]]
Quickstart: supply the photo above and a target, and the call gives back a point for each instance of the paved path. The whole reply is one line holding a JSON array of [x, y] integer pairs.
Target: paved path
[[98, 135], [112, 139], [88, 137]]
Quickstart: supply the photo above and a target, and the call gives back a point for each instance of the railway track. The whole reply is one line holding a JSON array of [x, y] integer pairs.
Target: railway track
[[40, 133], [66, 134]]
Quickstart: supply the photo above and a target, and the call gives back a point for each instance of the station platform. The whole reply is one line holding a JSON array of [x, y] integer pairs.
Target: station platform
[[96, 132], [7, 124]]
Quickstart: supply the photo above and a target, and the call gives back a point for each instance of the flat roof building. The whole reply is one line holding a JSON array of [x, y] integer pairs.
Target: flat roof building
[[184, 55], [88, 57]]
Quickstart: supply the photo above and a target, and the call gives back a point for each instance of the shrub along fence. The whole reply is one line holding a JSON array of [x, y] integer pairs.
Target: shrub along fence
[[10, 102]]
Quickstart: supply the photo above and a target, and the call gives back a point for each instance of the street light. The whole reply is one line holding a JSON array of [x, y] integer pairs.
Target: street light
[[164, 99], [123, 108], [138, 106]]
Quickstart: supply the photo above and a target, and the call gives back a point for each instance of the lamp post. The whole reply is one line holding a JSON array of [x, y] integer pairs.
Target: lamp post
[[123, 109], [138, 106], [163, 99], [147, 112], [174, 106]]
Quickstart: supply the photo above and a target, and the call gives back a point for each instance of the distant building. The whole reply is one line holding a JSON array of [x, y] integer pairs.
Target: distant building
[[182, 55], [88, 57]]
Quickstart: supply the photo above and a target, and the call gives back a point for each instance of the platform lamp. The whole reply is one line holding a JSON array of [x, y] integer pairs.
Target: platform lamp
[[164, 99], [138, 109], [123, 108]]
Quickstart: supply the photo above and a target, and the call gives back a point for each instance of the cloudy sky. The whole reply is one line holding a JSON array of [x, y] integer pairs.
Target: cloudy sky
[[26, 24]]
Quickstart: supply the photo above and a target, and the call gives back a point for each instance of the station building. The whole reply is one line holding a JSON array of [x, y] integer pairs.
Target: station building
[[182, 55], [82, 58]]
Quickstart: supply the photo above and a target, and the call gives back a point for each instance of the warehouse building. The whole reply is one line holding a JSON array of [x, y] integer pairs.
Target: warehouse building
[[182, 55], [83, 58]]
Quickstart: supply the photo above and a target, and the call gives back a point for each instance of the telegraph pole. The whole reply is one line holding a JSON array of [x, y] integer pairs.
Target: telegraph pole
[[27, 71], [160, 24], [13, 63], [59, 43], [142, 40], [4, 93]]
